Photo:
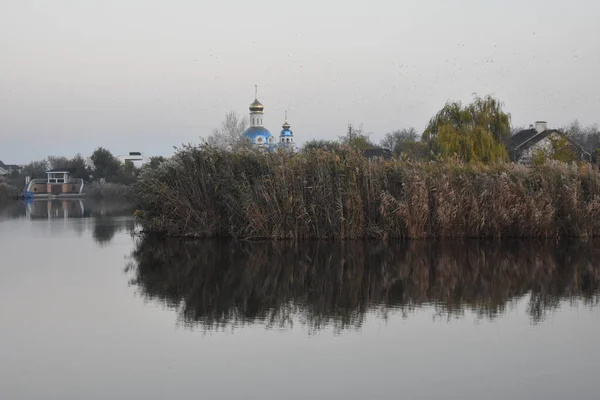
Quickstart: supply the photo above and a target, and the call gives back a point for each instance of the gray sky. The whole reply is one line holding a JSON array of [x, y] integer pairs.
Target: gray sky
[[145, 75]]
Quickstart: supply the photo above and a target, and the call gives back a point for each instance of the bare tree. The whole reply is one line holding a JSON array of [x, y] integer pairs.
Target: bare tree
[[395, 140], [357, 138], [229, 136]]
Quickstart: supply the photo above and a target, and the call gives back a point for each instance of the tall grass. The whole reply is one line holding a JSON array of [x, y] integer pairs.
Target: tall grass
[[108, 191], [203, 192]]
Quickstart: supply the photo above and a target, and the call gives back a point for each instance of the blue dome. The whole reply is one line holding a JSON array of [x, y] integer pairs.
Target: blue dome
[[286, 133], [258, 135]]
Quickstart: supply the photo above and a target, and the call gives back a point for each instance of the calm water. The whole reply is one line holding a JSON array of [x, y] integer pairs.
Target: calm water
[[88, 311]]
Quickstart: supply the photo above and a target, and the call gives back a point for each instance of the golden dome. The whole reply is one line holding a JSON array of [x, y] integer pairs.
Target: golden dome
[[256, 106]]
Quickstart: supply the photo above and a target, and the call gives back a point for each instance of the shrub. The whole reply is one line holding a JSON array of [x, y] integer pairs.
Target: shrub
[[115, 191]]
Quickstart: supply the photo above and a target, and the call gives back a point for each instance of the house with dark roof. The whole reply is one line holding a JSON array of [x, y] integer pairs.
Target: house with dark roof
[[7, 169], [525, 144]]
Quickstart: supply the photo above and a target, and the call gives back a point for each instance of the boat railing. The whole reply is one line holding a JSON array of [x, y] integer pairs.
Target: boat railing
[[74, 181], [35, 182]]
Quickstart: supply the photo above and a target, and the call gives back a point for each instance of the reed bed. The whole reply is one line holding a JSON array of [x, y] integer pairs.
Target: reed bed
[[203, 192], [109, 191]]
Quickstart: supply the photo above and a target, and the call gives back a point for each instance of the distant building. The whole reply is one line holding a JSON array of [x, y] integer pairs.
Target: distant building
[[135, 157], [8, 169], [260, 136], [286, 137], [524, 145]]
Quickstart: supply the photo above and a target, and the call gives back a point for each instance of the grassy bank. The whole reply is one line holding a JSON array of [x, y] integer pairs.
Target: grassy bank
[[207, 193], [7, 193]]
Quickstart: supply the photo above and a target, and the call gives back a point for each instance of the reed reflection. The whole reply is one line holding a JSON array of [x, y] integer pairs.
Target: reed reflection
[[216, 283]]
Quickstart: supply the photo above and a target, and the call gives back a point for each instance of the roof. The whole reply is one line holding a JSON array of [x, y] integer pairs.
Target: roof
[[9, 166], [255, 131], [286, 132], [58, 171], [522, 137], [256, 106], [529, 137]]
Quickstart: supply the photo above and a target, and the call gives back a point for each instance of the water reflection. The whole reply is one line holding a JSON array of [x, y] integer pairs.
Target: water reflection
[[104, 219], [214, 284]]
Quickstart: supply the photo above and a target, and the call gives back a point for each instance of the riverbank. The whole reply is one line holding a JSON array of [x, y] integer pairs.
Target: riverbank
[[7, 193], [203, 192]]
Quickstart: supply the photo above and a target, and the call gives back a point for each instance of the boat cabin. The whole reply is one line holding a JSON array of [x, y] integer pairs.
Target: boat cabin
[[57, 182]]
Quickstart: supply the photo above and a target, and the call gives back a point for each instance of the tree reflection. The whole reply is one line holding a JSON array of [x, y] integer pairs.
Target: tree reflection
[[105, 227], [216, 283]]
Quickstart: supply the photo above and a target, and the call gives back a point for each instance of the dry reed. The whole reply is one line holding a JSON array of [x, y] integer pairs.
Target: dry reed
[[203, 192]]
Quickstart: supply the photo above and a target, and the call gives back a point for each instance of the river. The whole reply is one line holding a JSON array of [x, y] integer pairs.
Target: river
[[90, 310]]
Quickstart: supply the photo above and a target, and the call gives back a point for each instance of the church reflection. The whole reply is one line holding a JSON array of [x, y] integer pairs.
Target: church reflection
[[216, 284]]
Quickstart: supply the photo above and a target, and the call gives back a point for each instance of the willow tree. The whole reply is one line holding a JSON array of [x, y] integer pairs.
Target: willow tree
[[475, 132]]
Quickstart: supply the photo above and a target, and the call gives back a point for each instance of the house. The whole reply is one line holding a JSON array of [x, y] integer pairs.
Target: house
[[7, 169], [135, 157], [538, 139]]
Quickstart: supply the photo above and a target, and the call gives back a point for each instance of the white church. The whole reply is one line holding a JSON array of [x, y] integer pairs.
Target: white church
[[260, 136]]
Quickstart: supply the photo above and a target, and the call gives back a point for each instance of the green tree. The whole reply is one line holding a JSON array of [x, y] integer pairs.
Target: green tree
[[475, 132], [78, 167], [596, 156], [538, 157], [129, 168], [357, 139], [154, 162], [106, 165], [562, 150], [56, 163]]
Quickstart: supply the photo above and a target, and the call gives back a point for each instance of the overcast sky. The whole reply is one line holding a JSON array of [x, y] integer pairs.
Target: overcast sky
[[146, 75]]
